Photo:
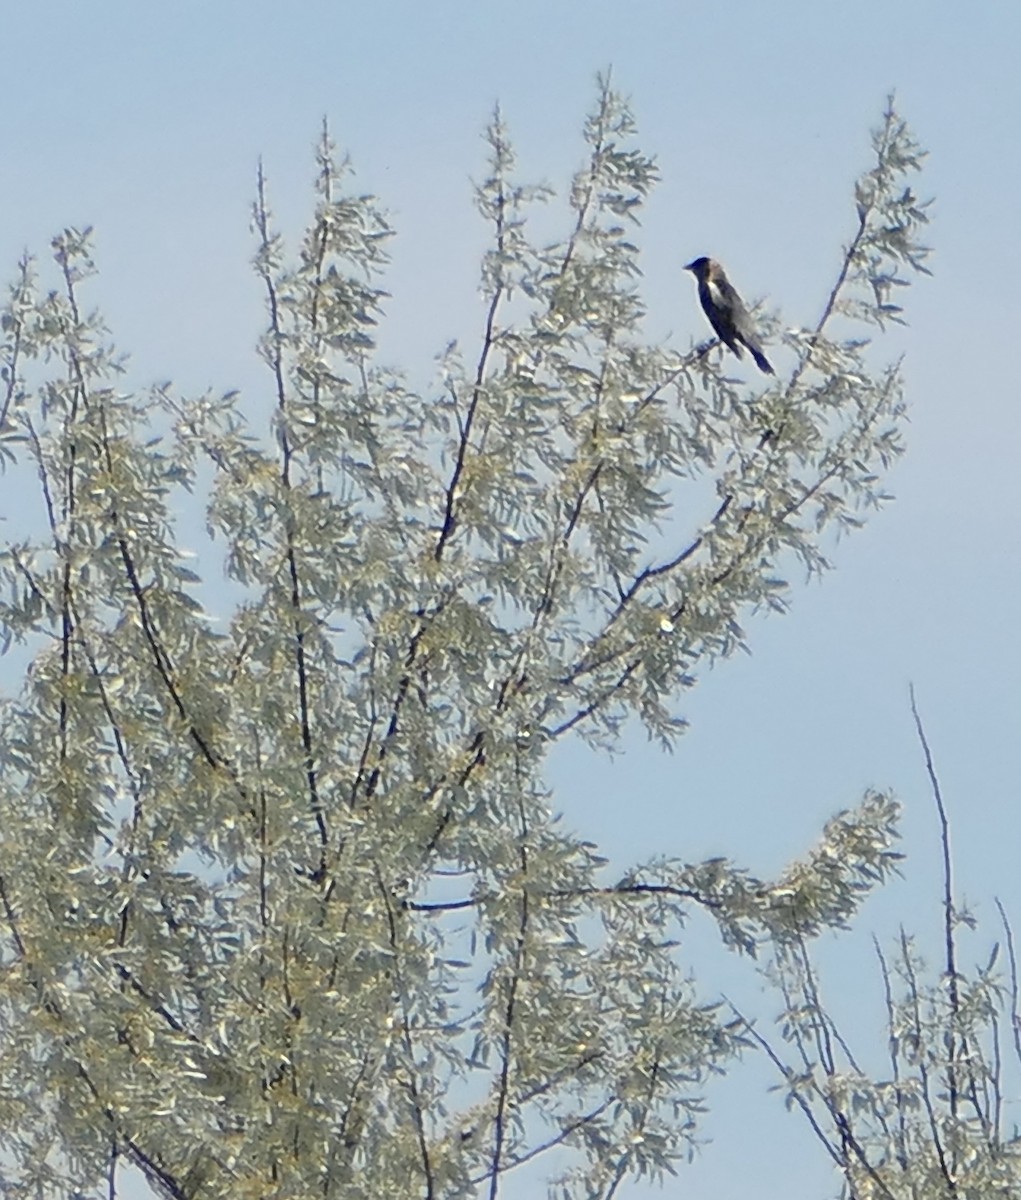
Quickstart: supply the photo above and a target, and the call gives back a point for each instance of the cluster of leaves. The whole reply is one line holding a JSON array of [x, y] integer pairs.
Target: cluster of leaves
[[284, 907]]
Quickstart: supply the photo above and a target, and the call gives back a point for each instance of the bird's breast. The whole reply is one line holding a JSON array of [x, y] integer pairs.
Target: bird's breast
[[715, 294]]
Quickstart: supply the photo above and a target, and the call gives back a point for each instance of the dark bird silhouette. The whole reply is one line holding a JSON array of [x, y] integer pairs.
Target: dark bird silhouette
[[726, 311]]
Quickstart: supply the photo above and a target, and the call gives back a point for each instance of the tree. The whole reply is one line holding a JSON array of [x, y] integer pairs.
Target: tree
[[929, 1115], [286, 910]]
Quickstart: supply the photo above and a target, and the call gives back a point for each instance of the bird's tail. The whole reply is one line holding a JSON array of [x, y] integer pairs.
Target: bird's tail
[[761, 361]]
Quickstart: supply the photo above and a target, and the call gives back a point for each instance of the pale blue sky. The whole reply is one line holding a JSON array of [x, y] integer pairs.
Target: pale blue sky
[[147, 121]]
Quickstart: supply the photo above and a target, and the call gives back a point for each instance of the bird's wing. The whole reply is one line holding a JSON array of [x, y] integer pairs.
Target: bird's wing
[[728, 299], [717, 308], [743, 325]]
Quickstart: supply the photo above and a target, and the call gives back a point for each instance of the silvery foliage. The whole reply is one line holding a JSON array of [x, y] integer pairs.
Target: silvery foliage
[[285, 909], [932, 1114], [932, 1117]]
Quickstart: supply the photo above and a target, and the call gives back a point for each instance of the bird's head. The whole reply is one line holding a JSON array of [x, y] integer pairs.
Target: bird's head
[[702, 267]]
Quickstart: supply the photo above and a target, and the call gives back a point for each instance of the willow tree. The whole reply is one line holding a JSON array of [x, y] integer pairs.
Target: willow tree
[[285, 909]]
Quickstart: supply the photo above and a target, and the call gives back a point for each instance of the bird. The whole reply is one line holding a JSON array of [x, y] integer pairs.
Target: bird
[[726, 311]]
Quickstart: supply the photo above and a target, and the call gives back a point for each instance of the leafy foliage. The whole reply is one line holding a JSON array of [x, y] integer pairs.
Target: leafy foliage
[[285, 907], [931, 1117]]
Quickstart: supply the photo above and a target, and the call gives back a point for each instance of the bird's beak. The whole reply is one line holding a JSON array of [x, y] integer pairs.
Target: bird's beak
[[689, 266]]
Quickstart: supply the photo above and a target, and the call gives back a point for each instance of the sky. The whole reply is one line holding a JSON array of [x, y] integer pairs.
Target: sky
[[147, 121]]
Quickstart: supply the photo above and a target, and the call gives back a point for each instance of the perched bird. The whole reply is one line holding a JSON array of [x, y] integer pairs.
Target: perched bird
[[726, 311]]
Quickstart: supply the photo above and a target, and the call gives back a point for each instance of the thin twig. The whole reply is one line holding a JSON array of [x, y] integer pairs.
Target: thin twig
[[411, 1081], [19, 292], [488, 341], [949, 913], [507, 1036], [893, 1045], [923, 1070], [276, 355], [1015, 991]]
